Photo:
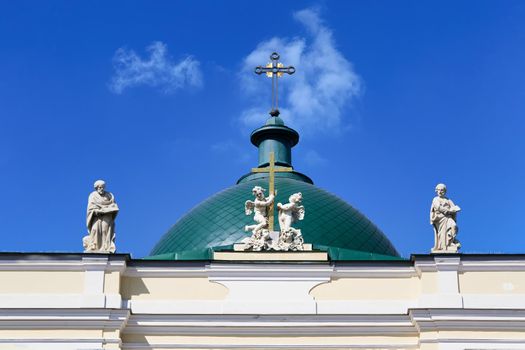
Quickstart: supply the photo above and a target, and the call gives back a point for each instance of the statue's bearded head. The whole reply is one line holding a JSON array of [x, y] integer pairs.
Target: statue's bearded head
[[441, 190], [100, 187]]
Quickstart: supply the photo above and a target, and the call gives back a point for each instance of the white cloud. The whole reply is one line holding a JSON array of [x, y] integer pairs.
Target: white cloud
[[158, 70], [315, 96]]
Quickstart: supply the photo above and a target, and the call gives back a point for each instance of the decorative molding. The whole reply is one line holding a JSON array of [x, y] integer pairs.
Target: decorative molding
[[257, 325], [487, 342], [123, 263], [103, 319], [176, 307], [65, 301], [374, 271], [66, 341], [340, 307], [424, 266], [269, 288], [366, 306], [437, 263], [41, 265], [447, 263], [472, 262], [269, 272], [166, 271], [492, 265], [142, 346], [57, 344], [62, 262], [468, 319]]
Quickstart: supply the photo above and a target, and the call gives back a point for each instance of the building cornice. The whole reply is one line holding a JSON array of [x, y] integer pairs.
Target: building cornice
[[105, 319], [62, 262], [271, 325], [468, 319]]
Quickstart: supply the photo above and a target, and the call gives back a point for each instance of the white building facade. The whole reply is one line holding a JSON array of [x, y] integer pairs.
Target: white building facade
[[98, 301]]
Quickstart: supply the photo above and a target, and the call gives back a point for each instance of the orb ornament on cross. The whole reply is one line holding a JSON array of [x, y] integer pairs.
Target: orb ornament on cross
[[274, 70]]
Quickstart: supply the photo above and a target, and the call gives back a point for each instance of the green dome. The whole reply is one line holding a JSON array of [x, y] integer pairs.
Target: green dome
[[329, 223]]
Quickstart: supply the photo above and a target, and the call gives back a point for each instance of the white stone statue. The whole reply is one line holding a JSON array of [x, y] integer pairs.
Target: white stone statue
[[260, 238], [443, 214], [101, 213], [290, 238]]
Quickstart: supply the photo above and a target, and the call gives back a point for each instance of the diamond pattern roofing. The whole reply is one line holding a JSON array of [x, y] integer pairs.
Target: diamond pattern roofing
[[329, 224]]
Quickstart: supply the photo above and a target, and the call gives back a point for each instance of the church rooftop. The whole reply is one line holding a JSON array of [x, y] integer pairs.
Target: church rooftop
[[330, 224]]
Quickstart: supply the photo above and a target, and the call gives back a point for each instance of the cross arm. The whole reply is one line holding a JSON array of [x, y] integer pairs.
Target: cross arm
[[278, 169], [275, 70]]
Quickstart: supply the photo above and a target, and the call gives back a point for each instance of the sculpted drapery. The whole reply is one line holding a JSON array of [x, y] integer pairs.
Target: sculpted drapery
[[443, 214], [100, 220]]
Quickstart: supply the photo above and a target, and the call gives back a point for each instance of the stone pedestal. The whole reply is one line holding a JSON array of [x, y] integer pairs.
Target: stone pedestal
[[305, 255]]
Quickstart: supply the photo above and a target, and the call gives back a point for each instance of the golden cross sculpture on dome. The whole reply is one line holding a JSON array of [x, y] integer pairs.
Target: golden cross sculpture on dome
[[274, 70], [271, 169]]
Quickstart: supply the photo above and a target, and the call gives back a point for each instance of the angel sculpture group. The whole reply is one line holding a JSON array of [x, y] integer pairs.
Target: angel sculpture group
[[289, 238]]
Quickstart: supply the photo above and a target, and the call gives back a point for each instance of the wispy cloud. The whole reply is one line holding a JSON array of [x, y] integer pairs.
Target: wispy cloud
[[315, 96], [313, 158], [158, 70]]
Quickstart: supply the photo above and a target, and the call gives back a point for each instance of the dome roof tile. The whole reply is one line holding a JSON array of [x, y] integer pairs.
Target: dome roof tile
[[329, 223]]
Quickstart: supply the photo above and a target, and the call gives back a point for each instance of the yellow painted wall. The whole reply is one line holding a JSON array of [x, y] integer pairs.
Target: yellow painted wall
[[367, 288], [429, 282], [29, 282], [112, 282], [492, 282]]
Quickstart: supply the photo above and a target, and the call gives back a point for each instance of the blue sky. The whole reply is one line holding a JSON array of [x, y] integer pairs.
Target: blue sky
[[159, 98]]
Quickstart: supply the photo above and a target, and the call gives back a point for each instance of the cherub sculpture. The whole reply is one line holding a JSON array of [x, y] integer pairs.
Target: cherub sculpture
[[290, 238], [260, 234]]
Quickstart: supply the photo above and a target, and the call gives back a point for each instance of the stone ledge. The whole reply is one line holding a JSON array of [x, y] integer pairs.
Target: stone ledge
[[271, 256]]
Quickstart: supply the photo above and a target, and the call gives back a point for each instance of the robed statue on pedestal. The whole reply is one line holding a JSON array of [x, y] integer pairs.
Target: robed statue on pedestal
[[100, 220]]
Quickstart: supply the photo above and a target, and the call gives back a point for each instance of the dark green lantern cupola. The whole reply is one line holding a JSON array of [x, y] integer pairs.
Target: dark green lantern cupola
[[275, 137]]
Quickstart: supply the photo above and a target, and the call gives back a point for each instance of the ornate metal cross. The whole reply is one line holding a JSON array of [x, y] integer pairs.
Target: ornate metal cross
[[271, 170], [274, 70]]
